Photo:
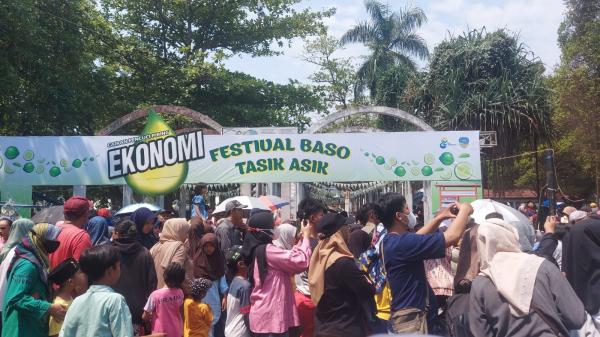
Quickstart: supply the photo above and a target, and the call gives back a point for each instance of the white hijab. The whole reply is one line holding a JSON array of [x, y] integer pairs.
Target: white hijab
[[512, 271], [285, 236]]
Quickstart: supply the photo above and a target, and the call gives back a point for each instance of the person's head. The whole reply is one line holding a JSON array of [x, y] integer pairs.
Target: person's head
[[125, 230], [209, 243], [394, 211], [493, 238], [174, 275], [64, 274], [5, 223], [104, 212], [101, 264], [199, 288], [18, 230], [494, 215], [568, 210], [144, 220], [577, 216], [262, 224], [594, 207], [77, 210], [200, 189], [332, 223], [175, 229], [43, 238], [311, 210], [530, 204], [235, 212], [285, 236], [235, 261], [370, 212]]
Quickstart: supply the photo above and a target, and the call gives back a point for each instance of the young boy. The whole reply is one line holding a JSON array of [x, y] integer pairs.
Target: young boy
[[238, 298], [100, 311], [70, 280], [164, 305], [197, 315]]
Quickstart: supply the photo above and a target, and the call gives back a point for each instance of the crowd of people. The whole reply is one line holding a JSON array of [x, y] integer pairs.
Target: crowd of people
[[323, 275]]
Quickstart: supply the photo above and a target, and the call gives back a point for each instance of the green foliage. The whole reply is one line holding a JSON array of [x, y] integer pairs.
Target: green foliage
[[391, 38], [576, 84], [71, 67], [51, 83], [184, 29], [336, 76], [485, 81]]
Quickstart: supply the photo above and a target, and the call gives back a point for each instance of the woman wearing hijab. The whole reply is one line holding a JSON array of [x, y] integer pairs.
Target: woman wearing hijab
[[144, 220], [19, 229], [338, 288], [359, 242], [97, 227], [581, 263], [170, 247], [270, 268], [285, 236], [467, 268], [518, 294], [27, 303], [209, 263]]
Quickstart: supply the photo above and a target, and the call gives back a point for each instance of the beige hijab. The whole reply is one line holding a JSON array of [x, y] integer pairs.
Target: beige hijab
[[324, 255], [172, 238], [512, 271]]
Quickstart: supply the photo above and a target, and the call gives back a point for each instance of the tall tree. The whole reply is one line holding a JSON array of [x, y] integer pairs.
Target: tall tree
[[335, 77], [485, 81], [51, 80], [576, 83], [391, 38]]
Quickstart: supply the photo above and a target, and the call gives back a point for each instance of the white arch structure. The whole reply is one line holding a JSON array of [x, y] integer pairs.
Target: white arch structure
[[377, 110]]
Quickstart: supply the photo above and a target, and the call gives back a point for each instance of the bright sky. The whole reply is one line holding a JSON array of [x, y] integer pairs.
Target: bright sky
[[535, 21]]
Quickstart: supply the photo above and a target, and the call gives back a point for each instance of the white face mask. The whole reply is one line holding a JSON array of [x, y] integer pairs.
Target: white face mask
[[412, 220]]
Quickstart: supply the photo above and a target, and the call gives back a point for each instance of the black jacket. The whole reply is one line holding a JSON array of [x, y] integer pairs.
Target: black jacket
[[341, 309], [138, 276]]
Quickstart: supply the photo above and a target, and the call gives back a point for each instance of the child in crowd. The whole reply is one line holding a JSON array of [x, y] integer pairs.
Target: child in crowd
[[197, 315], [164, 305], [238, 299], [70, 280], [100, 311]]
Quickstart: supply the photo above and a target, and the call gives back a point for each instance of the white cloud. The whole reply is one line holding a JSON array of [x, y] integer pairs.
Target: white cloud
[[536, 22]]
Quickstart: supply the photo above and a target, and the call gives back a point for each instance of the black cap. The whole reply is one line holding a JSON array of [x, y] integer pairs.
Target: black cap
[[263, 220], [330, 223], [63, 271]]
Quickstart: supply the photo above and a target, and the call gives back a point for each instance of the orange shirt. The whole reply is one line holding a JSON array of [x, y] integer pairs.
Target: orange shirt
[[197, 318]]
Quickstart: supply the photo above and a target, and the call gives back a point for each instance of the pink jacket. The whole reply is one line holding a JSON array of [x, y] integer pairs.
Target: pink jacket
[[273, 309]]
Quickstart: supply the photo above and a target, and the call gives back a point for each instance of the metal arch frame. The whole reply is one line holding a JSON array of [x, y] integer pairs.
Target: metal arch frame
[[172, 109], [378, 110]]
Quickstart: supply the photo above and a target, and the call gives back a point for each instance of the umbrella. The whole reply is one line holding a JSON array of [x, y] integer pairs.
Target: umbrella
[[249, 202], [52, 215], [483, 207], [133, 207], [273, 202]]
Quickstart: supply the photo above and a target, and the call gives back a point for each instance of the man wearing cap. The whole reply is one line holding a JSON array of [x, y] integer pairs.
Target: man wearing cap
[[231, 230], [73, 238]]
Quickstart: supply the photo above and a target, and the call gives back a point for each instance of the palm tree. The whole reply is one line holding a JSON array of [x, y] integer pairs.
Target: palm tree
[[391, 38]]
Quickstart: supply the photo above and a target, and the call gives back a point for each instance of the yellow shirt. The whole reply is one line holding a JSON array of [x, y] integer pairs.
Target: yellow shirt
[[197, 318], [383, 301], [54, 326]]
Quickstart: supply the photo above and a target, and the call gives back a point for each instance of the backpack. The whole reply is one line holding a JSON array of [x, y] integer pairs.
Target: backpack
[[457, 316]]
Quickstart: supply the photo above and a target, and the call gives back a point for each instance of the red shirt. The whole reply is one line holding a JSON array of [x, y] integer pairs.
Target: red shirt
[[73, 241]]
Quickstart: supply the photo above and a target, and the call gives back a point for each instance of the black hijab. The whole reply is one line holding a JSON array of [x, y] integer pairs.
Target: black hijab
[[140, 217], [581, 262], [254, 250]]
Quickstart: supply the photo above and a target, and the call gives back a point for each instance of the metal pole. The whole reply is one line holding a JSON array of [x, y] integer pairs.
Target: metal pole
[[550, 180]]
